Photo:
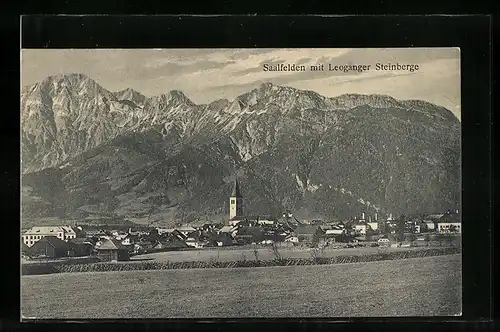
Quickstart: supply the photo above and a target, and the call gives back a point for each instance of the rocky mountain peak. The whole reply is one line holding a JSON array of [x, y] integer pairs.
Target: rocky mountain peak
[[178, 97], [295, 149], [131, 95]]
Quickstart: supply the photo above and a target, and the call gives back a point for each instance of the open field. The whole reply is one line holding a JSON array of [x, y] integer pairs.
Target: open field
[[411, 287], [224, 255]]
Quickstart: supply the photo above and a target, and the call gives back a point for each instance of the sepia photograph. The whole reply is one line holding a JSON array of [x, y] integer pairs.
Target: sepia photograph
[[238, 183]]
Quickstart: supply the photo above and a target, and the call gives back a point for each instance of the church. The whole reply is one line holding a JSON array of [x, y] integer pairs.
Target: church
[[236, 215]]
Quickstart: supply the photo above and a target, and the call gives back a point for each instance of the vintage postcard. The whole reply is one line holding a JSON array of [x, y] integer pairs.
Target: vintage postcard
[[222, 183]]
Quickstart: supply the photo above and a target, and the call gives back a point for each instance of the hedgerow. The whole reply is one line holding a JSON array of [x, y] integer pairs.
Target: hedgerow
[[135, 266]]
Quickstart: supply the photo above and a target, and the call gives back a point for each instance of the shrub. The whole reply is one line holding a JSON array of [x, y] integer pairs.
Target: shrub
[[317, 253], [256, 254], [275, 251]]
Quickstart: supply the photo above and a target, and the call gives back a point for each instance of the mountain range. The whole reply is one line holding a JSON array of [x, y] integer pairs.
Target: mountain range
[[89, 153]]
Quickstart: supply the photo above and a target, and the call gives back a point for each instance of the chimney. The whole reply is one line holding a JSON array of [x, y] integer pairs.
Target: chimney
[[363, 215], [369, 218], [376, 216]]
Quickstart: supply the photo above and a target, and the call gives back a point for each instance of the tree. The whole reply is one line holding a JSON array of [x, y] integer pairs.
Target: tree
[[427, 238], [275, 251], [401, 228], [451, 239], [440, 237], [411, 238]]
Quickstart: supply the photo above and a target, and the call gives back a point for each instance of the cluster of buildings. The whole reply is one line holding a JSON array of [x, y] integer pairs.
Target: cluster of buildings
[[116, 245], [444, 223]]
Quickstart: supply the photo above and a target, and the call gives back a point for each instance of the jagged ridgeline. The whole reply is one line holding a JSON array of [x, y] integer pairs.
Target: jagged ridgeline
[[88, 152]]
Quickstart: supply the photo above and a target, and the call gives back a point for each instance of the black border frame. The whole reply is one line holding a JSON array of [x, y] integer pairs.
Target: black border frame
[[471, 33]]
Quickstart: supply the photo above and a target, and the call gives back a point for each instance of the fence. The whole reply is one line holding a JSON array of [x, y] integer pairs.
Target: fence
[[136, 266]]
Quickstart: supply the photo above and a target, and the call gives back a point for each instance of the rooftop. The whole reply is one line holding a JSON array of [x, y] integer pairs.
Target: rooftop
[[307, 229], [48, 230], [111, 244], [53, 241]]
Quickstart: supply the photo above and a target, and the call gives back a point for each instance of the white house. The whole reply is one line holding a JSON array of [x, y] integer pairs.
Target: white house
[[35, 233], [335, 231], [384, 242], [446, 227], [165, 230], [192, 242], [292, 238], [126, 241], [266, 222], [186, 229], [430, 225], [360, 228], [373, 225]]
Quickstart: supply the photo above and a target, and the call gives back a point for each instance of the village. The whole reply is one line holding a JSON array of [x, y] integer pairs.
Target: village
[[287, 231]]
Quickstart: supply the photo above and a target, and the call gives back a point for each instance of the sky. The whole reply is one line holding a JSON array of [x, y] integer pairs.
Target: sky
[[205, 75]]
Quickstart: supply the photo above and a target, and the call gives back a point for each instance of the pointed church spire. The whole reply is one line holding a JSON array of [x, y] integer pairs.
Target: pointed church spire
[[236, 189]]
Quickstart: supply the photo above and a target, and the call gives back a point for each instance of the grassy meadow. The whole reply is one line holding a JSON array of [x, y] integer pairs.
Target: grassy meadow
[[410, 287]]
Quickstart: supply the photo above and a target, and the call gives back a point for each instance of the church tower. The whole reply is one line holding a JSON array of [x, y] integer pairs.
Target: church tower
[[235, 202]]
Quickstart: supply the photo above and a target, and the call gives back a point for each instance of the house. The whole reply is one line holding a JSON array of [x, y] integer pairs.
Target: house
[[262, 220], [113, 250], [226, 229], [80, 233], [326, 227], [25, 250], [432, 217], [336, 234], [224, 239], [316, 222], [36, 233], [384, 242], [170, 243], [236, 220], [120, 236], [393, 240], [247, 235], [50, 247], [308, 233], [449, 227], [142, 247], [196, 239], [232, 230], [91, 241], [162, 231], [203, 225], [373, 225], [186, 229], [95, 233], [273, 235], [196, 242], [334, 231], [129, 239], [291, 238], [79, 247], [360, 228], [430, 225]]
